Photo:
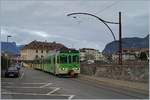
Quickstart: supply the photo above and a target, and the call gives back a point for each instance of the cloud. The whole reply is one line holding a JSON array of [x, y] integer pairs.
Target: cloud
[[39, 33], [47, 20]]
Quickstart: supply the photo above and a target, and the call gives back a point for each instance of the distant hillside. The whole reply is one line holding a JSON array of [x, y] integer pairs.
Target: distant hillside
[[11, 47], [20, 47], [134, 42]]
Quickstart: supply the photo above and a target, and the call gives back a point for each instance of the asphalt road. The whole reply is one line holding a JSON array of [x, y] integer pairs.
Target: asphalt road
[[35, 84]]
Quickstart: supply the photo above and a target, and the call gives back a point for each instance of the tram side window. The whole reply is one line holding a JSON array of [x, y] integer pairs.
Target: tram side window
[[49, 60], [63, 59], [45, 61], [58, 59], [54, 59]]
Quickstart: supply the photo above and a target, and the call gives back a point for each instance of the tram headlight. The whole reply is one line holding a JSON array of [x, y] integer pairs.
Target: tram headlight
[[62, 68]]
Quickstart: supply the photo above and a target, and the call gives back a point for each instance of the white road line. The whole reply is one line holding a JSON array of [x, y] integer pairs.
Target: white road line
[[33, 83], [21, 83], [22, 75], [71, 96], [7, 82], [51, 92], [22, 93], [45, 85], [24, 87], [19, 87]]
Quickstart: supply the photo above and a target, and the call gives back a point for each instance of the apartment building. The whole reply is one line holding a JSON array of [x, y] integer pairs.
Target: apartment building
[[38, 49], [90, 54]]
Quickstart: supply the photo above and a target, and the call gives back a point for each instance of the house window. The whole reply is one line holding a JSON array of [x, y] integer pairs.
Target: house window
[[36, 56], [46, 51], [41, 56], [36, 51], [41, 51]]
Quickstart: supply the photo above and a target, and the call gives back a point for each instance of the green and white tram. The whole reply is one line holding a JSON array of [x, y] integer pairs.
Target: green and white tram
[[63, 62]]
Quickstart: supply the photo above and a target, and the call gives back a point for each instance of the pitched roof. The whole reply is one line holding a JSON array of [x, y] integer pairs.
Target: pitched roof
[[84, 49], [43, 45]]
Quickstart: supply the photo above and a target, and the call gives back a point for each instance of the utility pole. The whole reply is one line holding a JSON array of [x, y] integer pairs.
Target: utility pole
[[120, 40], [106, 23]]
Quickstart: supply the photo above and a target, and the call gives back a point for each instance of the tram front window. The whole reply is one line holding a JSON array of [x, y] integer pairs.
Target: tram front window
[[63, 59], [69, 59], [75, 58]]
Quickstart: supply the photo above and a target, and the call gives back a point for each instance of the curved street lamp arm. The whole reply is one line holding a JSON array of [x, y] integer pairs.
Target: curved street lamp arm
[[93, 16], [98, 19], [111, 31]]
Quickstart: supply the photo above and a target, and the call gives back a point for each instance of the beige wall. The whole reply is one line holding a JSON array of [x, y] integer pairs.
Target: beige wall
[[30, 54], [82, 56], [98, 55]]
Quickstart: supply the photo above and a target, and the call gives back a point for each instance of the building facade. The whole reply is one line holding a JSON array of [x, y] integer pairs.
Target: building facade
[[90, 54], [131, 53], [37, 49]]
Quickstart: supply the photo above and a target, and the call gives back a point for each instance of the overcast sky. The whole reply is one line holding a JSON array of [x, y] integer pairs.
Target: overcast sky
[[28, 20]]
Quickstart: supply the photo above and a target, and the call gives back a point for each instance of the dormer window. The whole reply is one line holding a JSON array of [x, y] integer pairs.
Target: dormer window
[[36, 51]]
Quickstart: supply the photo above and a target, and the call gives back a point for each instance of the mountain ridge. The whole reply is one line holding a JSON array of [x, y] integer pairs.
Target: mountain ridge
[[127, 42]]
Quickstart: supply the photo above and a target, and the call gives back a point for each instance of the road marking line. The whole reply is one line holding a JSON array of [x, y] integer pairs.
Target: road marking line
[[71, 96], [22, 93], [19, 87], [8, 82], [45, 85], [21, 83], [51, 92], [35, 94], [22, 75], [33, 83], [24, 87]]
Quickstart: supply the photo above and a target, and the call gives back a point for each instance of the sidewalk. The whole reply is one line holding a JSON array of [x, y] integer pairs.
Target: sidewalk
[[120, 84]]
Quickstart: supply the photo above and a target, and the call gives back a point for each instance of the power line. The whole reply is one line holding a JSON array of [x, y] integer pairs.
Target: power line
[[107, 7]]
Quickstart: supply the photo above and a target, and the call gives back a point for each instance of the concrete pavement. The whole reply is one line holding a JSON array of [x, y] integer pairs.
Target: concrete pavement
[[30, 86], [38, 84]]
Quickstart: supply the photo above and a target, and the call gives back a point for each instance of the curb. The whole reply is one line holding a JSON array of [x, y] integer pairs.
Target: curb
[[112, 85]]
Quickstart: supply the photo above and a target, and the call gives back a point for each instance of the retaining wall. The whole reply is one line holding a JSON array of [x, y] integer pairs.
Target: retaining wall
[[130, 72]]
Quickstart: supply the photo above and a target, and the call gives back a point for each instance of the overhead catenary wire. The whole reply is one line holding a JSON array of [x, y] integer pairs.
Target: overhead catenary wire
[[104, 9], [108, 7]]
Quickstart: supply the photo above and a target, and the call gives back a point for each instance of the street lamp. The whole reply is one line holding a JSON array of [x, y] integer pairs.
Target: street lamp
[[7, 48], [106, 23], [8, 37]]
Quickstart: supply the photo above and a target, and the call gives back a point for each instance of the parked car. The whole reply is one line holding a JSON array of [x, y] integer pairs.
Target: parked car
[[12, 72]]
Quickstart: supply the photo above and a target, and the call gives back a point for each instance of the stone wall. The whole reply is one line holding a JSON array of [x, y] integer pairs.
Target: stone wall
[[131, 72]]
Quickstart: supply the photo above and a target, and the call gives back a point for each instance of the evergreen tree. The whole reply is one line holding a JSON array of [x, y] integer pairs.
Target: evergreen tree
[[143, 56]]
